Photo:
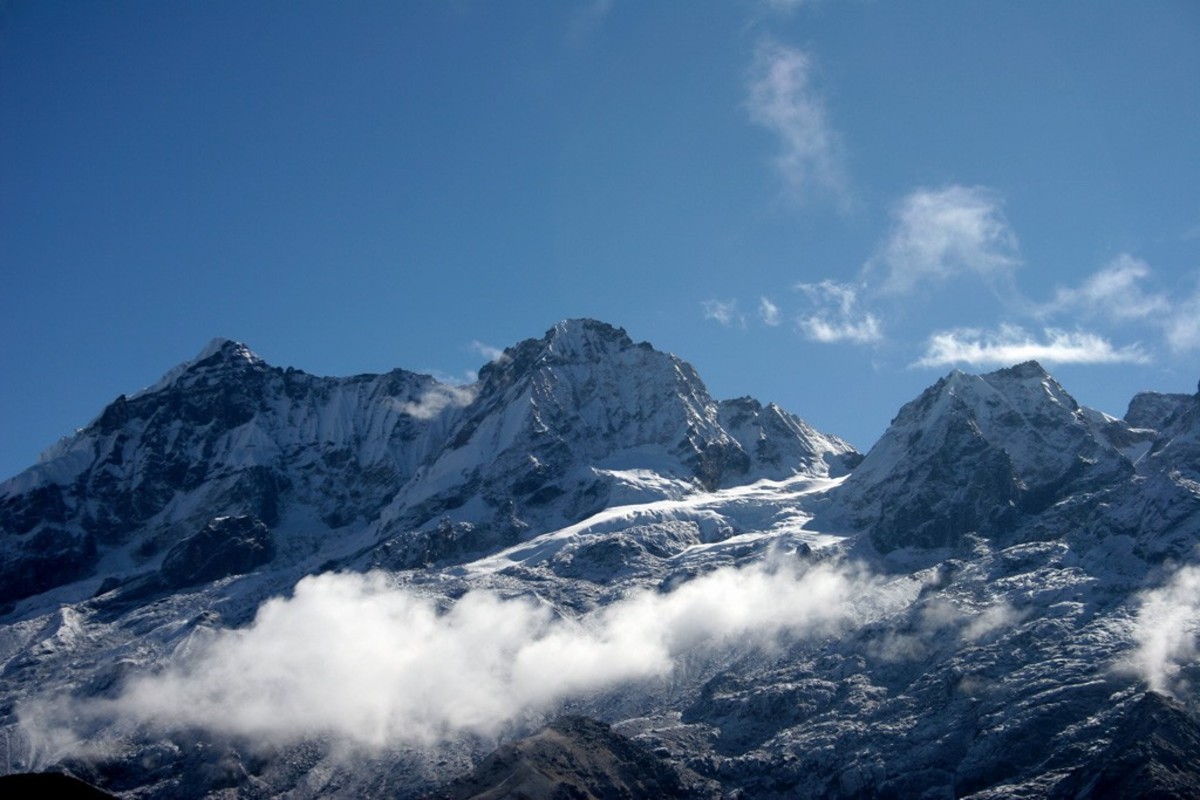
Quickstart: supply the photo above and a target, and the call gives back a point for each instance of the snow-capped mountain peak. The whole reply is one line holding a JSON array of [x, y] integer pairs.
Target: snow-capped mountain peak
[[236, 581], [535, 443], [218, 353], [974, 453]]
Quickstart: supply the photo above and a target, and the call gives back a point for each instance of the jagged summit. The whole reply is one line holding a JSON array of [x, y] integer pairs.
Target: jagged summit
[[975, 453], [1029, 555], [1158, 410], [219, 353], [585, 339], [572, 341], [227, 349], [548, 433]]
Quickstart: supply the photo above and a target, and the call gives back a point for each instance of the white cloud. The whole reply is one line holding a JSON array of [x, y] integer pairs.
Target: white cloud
[[768, 312], [723, 311], [863, 331], [1183, 325], [940, 233], [1166, 630], [999, 617], [783, 100], [1113, 292], [1012, 344], [493, 354], [353, 657], [438, 398], [837, 318]]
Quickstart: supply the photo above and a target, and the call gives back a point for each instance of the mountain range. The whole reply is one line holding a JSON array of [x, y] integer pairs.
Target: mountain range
[[581, 575]]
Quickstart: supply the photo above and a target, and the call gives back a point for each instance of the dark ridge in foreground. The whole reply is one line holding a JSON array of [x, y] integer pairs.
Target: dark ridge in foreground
[[573, 757], [49, 784]]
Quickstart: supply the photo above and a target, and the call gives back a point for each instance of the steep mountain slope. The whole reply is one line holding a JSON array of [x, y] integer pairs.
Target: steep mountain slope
[[984, 454], [572, 757], [547, 436], [999, 601]]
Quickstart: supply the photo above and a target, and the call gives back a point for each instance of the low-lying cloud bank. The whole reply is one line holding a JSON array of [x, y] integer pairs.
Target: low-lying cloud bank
[[353, 657]]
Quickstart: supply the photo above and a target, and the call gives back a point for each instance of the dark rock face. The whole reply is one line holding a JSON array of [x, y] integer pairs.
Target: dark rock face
[[981, 454], [574, 757], [226, 546], [48, 558], [1153, 756], [1157, 410]]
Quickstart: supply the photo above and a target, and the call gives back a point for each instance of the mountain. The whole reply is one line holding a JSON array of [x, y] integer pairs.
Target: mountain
[[986, 454], [554, 430], [251, 581], [571, 757]]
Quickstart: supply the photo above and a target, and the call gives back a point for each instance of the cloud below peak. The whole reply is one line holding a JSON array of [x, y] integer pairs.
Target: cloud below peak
[[1167, 632], [371, 664]]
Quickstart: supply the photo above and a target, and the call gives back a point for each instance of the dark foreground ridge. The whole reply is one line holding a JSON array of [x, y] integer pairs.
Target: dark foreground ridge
[[49, 785], [573, 757]]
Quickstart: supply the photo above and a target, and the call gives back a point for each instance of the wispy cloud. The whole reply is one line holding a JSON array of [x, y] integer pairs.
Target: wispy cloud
[[1012, 344], [1166, 630], [352, 657], [1114, 292], [998, 617], [724, 311], [837, 317], [783, 100], [941, 233], [494, 354], [768, 312], [434, 401], [1183, 325]]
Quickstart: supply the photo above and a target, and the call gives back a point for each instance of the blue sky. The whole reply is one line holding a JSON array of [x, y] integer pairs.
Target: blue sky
[[825, 204]]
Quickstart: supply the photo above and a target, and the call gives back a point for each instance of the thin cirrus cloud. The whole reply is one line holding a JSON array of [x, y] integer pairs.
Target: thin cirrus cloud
[[782, 99], [1012, 344], [493, 354], [1114, 292], [836, 316], [724, 311], [768, 312], [1183, 325], [938, 234]]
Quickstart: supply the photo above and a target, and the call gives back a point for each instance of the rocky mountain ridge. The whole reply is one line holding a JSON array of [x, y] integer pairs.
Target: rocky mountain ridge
[[998, 601], [541, 440]]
